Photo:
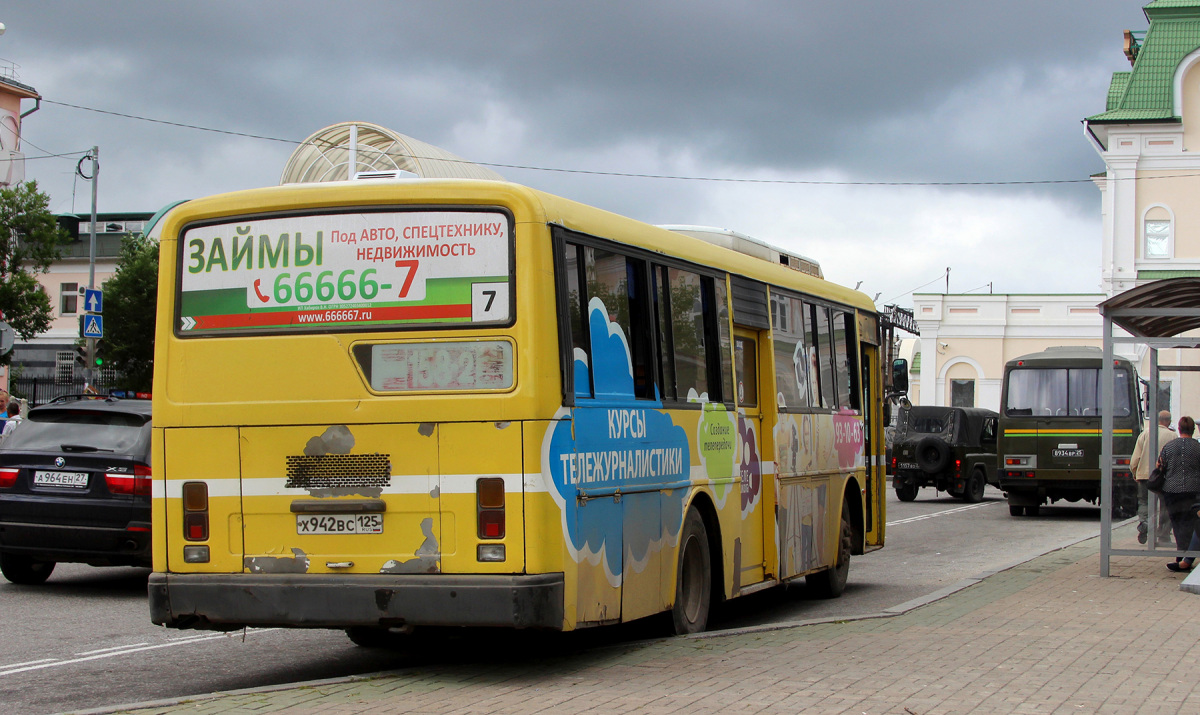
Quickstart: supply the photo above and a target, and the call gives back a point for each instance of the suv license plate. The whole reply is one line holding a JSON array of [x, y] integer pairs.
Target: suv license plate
[[73, 480], [907, 465], [339, 523]]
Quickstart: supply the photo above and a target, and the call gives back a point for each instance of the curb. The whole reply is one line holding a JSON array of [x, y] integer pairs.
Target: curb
[[889, 612]]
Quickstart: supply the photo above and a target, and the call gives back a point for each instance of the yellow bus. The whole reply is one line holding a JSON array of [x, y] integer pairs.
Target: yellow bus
[[389, 404]]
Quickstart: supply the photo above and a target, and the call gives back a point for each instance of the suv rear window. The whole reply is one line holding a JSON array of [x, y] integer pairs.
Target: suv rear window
[[76, 430]]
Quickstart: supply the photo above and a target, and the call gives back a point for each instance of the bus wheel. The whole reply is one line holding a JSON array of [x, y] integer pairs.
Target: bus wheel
[[373, 637], [1014, 510], [24, 570], [832, 581], [973, 493], [693, 577], [907, 491]]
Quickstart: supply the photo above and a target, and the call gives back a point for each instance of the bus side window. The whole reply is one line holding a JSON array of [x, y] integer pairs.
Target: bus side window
[[723, 344], [688, 334], [844, 358], [619, 283], [662, 313], [792, 355], [577, 308]]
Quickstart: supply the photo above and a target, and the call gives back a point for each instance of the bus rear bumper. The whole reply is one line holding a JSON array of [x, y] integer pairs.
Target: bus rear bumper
[[231, 601]]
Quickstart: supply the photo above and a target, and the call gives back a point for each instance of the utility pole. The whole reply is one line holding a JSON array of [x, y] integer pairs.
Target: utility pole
[[947, 268], [95, 179]]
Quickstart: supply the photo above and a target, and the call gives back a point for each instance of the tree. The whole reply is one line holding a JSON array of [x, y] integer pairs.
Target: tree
[[130, 303], [29, 243]]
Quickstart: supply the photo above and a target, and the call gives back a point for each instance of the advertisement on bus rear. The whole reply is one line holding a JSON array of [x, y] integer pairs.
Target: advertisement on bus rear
[[346, 271]]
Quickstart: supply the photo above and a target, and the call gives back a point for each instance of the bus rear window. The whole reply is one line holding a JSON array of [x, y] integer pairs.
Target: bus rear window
[[349, 270], [442, 366], [1063, 392]]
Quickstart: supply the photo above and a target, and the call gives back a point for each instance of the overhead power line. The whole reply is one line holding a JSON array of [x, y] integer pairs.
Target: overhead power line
[[588, 172]]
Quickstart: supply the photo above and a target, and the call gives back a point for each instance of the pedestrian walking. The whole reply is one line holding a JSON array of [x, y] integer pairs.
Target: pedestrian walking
[[14, 418], [1140, 464], [1180, 462]]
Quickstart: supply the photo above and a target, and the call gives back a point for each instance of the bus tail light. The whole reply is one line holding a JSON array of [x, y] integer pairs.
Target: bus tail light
[[8, 478], [195, 511], [135, 484], [489, 506]]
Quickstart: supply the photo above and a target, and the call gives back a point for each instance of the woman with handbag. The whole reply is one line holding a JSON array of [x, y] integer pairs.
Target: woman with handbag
[[1179, 461]]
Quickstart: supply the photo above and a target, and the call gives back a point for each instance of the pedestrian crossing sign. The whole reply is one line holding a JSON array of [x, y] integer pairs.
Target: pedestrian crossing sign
[[93, 326]]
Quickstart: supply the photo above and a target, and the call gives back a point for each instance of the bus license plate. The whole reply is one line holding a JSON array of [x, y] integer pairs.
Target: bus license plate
[[339, 523], [73, 480]]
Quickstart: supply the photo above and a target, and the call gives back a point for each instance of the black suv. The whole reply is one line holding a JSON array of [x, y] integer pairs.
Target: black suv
[[75, 486], [950, 448]]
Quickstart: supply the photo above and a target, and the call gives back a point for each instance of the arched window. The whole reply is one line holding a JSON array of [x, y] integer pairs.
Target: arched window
[[1157, 235]]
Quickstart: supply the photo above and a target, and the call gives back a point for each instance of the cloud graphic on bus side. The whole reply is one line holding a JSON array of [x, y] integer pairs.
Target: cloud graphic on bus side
[[619, 443]]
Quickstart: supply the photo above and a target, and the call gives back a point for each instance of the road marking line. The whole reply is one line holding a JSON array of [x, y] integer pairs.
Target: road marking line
[[30, 662], [955, 510], [111, 652], [105, 650]]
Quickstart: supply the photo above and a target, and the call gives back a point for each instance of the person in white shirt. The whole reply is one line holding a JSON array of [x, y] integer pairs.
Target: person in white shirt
[[1140, 463], [14, 418]]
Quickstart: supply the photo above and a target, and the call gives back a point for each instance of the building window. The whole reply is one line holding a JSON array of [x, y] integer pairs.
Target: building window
[[68, 298], [962, 393], [1158, 239], [64, 366]]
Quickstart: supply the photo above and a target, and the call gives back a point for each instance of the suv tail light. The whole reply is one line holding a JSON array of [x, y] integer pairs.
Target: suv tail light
[[8, 478], [136, 484], [195, 511]]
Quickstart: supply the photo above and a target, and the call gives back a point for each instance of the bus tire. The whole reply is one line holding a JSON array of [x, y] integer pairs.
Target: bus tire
[[374, 637], [907, 491], [973, 492], [24, 570], [831, 582], [693, 577]]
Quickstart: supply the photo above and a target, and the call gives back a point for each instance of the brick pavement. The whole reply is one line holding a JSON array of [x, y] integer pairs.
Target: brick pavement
[[1046, 636]]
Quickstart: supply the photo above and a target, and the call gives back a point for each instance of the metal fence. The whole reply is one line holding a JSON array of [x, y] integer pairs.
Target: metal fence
[[40, 390]]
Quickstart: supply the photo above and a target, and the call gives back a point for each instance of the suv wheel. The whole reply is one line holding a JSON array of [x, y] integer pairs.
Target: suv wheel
[[907, 491], [973, 492], [24, 570]]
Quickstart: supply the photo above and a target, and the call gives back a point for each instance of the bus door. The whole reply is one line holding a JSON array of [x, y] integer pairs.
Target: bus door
[[342, 499], [749, 556]]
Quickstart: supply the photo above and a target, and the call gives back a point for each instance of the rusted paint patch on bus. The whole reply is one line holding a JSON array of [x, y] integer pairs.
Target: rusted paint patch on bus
[[503, 425], [426, 558], [426, 429], [338, 439], [297, 563], [435, 492]]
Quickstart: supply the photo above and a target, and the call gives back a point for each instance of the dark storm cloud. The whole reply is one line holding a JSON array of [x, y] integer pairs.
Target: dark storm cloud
[[787, 85]]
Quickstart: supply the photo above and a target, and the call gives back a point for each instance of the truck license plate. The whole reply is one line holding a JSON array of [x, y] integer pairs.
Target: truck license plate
[[339, 523]]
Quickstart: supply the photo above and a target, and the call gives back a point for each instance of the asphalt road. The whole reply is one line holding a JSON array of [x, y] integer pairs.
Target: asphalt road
[[84, 640]]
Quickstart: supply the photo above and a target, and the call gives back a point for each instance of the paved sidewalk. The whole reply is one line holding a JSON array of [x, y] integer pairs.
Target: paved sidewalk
[[1046, 636]]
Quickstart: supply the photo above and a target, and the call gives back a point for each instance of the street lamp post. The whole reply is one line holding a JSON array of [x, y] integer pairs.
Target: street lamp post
[[95, 179]]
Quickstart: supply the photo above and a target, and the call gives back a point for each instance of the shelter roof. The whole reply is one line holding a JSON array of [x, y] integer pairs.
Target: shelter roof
[[1141, 310]]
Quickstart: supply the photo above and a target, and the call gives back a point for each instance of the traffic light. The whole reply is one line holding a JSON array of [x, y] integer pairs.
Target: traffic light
[[81, 355], [100, 354]]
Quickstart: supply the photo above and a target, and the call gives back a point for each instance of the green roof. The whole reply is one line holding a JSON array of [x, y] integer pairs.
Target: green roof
[[1147, 92], [1116, 89], [1163, 275]]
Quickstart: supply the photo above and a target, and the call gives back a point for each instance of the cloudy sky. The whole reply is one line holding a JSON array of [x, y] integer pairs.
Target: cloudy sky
[[787, 119]]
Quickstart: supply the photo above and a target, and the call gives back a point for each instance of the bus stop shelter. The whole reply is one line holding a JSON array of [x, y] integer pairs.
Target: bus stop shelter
[[1156, 315]]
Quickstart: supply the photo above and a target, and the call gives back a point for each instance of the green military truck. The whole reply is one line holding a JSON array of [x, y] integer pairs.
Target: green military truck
[[1049, 446], [952, 449]]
